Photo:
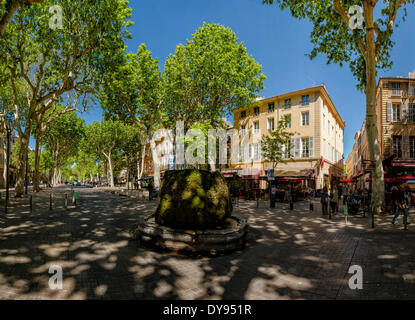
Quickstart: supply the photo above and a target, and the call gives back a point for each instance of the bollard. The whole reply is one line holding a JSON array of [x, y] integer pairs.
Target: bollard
[[257, 202], [311, 206], [291, 206], [50, 202], [66, 201], [31, 204]]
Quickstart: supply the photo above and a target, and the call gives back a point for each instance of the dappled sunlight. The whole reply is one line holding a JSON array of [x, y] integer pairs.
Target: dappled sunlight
[[289, 255]]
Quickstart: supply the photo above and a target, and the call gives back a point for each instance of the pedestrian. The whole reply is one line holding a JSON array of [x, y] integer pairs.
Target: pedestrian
[[324, 201], [150, 190], [334, 199], [345, 192], [401, 206]]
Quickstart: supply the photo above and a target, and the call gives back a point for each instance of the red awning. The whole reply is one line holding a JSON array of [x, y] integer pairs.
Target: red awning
[[347, 180], [403, 164], [404, 178]]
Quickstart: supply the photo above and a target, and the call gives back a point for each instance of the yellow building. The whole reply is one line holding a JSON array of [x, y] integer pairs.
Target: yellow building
[[316, 148]]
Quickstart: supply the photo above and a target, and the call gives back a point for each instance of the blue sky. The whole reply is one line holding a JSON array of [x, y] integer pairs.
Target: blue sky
[[275, 39]]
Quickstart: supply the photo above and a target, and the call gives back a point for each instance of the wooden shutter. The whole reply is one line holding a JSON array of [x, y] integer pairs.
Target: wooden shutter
[[403, 110], [311, 147], [292, 147], [388, 111], [298, 148]]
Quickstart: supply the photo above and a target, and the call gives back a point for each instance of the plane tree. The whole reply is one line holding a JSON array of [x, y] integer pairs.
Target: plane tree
[[357, 33]]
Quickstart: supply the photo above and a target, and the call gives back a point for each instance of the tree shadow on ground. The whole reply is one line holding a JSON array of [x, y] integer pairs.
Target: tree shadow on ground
[[289, 255]]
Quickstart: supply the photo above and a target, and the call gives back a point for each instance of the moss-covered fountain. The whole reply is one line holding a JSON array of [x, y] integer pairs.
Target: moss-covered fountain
[[194, 214]]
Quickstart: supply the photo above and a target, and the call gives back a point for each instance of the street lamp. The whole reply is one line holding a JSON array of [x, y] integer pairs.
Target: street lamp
[[8, 124]]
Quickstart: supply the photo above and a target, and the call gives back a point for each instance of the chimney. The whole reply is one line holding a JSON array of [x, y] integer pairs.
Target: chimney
[[412, 75]]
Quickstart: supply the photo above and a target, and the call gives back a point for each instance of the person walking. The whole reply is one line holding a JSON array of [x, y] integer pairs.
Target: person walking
[[150, 190], [324, 201], [334, 200], [401, 206]]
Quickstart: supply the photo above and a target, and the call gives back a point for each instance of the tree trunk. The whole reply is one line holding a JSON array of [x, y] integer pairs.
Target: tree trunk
[[140, 173], [156, 164], [5, 160], [36, 173], [110, 171], [21, 163], [378, 185]]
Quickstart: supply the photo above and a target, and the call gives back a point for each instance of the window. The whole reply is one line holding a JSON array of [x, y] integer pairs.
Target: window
[[328, 127], [287, 120], [270, 124], [243, 130], [411, 112], [305, 100], [324, 147], [256, 127], [329, 151], [256, 111], [243, 115], [396, 112], [257, 151], [385, 85], [305, 118], [305, 152], [396, 88], [287, 104], [288, 149], [397, 146], [324, 121], [271, 107], [307, 147], [412, 147]]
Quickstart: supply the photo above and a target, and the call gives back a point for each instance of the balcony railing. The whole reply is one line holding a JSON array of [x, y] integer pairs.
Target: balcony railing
[[396, 92]]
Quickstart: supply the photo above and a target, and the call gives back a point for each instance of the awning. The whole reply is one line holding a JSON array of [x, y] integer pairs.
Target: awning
[[403, 164], [290, 174], [347, 180]]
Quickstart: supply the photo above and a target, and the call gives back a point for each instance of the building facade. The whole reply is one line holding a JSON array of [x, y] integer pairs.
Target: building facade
[[315, 153], [396, 130]]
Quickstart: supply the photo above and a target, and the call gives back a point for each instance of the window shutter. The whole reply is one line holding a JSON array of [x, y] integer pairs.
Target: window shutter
[[388, 111], [297, 148], [292, 147], [403, 108], [311, 147]]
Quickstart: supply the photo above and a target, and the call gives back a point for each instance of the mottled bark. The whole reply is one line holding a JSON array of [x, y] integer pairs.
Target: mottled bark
[[156, 164], [21, 163], [378, 184]]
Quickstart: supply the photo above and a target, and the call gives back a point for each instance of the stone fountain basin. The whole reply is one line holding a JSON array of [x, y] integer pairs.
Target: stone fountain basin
[[230, 237]]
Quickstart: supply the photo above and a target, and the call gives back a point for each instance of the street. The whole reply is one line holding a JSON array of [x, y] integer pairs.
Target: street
[[289, 254]]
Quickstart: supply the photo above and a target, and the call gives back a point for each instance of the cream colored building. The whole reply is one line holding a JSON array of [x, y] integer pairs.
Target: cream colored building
[[316, 148]]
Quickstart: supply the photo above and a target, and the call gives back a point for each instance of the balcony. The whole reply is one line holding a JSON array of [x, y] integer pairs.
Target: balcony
[[396, 93]]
